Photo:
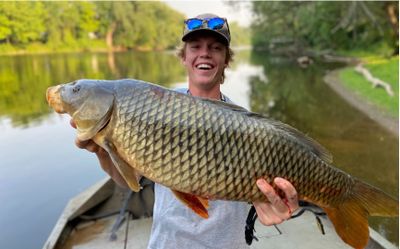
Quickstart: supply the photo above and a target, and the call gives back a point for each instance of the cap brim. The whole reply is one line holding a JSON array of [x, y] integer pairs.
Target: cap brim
[[215, 33]]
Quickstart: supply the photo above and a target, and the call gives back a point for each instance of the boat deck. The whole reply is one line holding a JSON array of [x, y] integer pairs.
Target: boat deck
[[134, 234], [73, 232]]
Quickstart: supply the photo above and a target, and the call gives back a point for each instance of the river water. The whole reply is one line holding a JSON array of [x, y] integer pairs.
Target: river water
[[41, 169]]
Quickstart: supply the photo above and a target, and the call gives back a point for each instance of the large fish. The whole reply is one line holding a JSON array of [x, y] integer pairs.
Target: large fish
[[205, 149]]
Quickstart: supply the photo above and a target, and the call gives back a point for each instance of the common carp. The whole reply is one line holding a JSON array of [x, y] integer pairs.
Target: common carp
[[206, 149]]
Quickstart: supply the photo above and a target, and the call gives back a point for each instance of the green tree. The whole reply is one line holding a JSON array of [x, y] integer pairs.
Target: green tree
[[61, 20], [68, 22], [5, 25], [80, 25], [324, 25], [21, 22], [87, 22], [143, 25], [239, 35], [114, 17], [167, 24]]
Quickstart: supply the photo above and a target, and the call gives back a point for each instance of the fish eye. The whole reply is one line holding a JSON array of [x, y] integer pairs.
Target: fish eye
[[76, 89]]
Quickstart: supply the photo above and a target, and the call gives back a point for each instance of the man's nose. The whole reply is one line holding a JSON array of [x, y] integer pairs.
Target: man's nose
[[205, 52]]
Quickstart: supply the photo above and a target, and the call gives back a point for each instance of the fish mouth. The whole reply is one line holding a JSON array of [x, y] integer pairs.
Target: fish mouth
[[53, 97]]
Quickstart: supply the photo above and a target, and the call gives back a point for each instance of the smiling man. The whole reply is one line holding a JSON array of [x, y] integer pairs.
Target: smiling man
[[205, 53]]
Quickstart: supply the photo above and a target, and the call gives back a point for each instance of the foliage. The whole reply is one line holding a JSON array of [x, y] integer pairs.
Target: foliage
[[67, 23], [24, 79], [323, 24], [239, 35], [381, 49], [21, 23], [73, 25], [90, 26]]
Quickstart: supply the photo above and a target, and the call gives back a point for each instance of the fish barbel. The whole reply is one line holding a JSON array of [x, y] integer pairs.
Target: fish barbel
[[205, 149]]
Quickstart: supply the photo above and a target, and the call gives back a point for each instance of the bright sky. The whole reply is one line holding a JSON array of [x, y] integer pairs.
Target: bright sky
[[193, 8]]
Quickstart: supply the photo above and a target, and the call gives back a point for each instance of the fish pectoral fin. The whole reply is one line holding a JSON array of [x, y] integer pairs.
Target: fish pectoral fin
[[203, 201], [127, 172], [198, 204]]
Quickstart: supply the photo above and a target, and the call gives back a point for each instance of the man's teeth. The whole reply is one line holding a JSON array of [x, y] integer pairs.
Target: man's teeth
[[203, 66]]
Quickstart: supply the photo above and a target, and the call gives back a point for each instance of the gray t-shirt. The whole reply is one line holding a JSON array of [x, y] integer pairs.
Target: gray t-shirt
[[177, 226]]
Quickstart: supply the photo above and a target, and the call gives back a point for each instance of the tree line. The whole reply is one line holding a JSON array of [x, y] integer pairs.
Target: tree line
[[139, 25], [77, 25], [326, 25]]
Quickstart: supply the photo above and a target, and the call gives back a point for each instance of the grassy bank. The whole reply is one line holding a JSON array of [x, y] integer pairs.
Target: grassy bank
[[386, 69]]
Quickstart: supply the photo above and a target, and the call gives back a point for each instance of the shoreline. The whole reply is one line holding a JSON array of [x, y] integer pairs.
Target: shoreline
[[102, 50], [388, 122]]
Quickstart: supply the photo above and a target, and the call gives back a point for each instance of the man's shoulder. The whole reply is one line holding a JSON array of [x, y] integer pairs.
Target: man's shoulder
[[181, 89], [185, 90]]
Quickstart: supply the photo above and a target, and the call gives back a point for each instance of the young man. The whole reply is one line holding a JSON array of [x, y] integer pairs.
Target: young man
[[205, 55]]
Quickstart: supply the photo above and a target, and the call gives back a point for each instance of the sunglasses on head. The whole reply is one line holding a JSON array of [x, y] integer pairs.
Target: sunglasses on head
[[212, 23]]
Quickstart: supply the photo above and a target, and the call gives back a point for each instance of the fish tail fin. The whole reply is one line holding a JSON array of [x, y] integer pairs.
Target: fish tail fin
[[375, 201], [350, 218]]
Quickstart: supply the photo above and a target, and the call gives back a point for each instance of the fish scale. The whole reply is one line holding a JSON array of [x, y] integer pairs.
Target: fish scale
[[209, 149]]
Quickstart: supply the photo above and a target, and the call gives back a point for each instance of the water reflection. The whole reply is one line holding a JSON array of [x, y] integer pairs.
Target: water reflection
[[41, 168], [359, 145], [238, 86], [24, 79]]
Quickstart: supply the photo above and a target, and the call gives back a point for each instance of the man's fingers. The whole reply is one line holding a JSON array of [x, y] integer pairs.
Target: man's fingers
[[85, 144], [279, 209], [290, 193], [72, 123], [104, 158], [266, 214], [81, 144], [278, 205], [88, 145]]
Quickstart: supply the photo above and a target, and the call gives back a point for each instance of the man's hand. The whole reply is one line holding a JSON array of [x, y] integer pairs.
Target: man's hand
[[103, 156], [277, 209]]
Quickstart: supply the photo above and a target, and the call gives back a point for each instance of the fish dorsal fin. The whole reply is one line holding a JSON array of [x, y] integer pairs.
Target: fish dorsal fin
[[311, 144], [198, 204], [223, 104]]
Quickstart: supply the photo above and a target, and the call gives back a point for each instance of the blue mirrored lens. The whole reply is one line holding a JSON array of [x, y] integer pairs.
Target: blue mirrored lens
[[216, 23], [194, 24]]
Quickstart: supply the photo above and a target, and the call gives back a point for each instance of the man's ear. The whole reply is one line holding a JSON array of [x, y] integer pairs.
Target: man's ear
[[183, 60], [226, 62]]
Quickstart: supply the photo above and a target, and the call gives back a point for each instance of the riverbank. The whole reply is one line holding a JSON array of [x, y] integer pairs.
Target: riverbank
[[386, 120], [98, 47], [34, 49]]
